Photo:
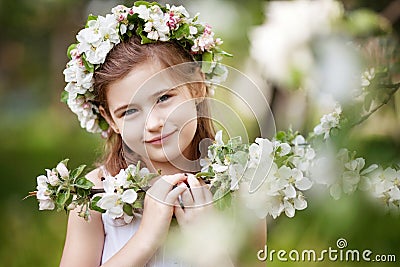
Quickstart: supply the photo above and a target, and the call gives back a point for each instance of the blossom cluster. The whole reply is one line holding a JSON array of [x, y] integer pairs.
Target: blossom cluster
[[384, 184], [271, 176], [64, 189], [152, 23], [273, 167], [287, 34], [328, 122], [118, 198], [124, 192]]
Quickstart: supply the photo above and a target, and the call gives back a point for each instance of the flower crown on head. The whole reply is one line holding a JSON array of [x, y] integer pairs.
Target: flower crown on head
[[152, 23]]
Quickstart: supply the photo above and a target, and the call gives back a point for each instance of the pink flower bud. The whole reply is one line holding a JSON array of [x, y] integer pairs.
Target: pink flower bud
[[121, 18], [86, 105]]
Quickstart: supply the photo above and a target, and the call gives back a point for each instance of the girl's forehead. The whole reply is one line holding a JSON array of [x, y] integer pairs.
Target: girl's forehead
[[149, 79]]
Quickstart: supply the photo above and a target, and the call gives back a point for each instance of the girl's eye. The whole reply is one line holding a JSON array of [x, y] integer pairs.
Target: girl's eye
[[129, 111], [163, 98]]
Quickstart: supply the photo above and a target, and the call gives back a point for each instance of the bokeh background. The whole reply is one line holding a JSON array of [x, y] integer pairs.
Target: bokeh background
[[38, 131]]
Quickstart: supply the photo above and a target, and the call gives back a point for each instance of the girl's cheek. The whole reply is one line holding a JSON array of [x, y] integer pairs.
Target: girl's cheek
[[132, 135], [183, 113]]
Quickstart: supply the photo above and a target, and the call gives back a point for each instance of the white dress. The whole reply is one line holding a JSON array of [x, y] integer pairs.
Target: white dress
[[117, 234]]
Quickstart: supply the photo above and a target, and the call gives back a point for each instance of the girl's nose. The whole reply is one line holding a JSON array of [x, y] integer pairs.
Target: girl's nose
[[154, 122]]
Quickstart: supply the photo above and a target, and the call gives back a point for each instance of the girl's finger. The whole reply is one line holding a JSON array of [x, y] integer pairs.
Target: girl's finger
[[197, 190], [187, 198], [208, 196], [179, 211], [163, 186], [173, 195]]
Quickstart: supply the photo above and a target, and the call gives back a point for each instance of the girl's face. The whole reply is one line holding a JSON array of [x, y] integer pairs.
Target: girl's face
[[156, 118]]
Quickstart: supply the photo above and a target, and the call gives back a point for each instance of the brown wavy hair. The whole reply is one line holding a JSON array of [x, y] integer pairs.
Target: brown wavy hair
[[119, 62]]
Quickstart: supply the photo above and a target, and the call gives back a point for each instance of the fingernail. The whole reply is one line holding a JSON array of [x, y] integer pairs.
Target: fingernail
[[182, 185]]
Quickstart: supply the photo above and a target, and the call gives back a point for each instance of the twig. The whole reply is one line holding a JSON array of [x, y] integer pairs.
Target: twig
[[365, 117]]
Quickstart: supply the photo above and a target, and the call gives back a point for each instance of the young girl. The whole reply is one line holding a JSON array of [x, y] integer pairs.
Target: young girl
[[157, 114]]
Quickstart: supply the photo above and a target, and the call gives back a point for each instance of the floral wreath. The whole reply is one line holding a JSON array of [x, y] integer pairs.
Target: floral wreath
[[152, 23]]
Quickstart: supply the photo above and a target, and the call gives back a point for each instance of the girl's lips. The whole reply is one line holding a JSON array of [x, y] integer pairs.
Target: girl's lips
[[158, 140]]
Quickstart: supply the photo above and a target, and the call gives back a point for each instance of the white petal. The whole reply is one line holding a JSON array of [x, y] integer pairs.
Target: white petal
[[218, 138], [219, 168], [108, 201], [109, 184], [300, 203], [335, 191], [62, 170], [47, 204], [285, 149], [303, 183], [129, 196], [289, 209], [128, 218], [369, 169], [290, 192], [394, 193], [41, 181], [115, 212]]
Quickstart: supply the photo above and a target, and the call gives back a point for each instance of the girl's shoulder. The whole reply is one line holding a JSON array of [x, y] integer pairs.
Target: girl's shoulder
[[95, 176]]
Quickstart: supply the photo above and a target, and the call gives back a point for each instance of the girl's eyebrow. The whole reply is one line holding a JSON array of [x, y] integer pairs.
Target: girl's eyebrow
[[121, 108], [160, 92]]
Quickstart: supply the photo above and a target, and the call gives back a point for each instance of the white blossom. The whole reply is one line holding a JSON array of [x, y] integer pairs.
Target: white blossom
[[328, 122], [281, 44], [62, 170], [114, 197], [52, 177], [43, 194]]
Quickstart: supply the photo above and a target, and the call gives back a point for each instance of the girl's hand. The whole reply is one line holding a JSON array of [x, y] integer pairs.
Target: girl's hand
[[159, 208], [196, 200]]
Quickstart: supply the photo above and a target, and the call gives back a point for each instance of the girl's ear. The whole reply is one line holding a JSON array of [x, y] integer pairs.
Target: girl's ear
[[200, 93], [109, 120]]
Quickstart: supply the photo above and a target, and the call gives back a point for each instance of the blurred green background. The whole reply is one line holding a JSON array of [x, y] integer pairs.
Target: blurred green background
[[39, 131]]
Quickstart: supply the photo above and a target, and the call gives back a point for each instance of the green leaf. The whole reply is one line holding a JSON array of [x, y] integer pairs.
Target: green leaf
[[224, 53], [64, 97], [140, 3], [206, 66], [62, 198], [90, 17], [219, 70], [204, 174], [281, 136], [70, 48], [103, 124], [137, 205], [144, 39], [223, 199], [88, 66], [69, 201], [128, 209], [83, 183], [200, 28], [65, 162], [75, 173], [182, 31], [93, 204]]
